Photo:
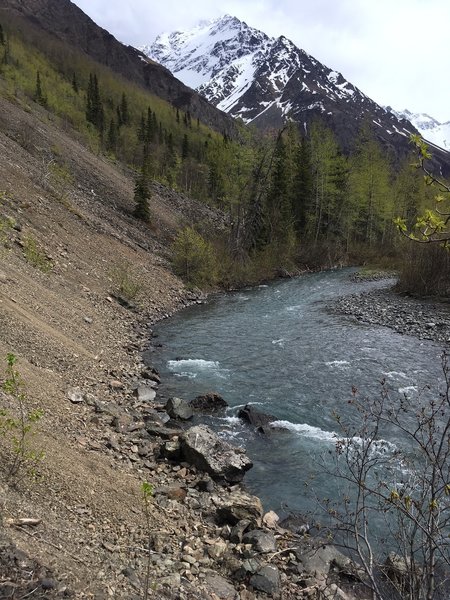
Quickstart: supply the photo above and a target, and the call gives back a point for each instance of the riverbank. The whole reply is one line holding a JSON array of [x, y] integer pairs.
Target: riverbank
[[426, 319], [68, 258]]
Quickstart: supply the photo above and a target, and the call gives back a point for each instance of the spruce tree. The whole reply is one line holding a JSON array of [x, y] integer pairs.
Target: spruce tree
[[124, 114], [39, 96], [2, 36], [94, 107], [185, 147], [111, 142], [141, 198], [75, 83]]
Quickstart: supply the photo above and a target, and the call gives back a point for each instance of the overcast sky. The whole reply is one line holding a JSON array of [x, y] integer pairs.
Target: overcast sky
[[396, 51]]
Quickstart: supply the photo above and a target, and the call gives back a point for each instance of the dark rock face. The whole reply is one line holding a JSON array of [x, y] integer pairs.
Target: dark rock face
[[201, 447], [209, 403]]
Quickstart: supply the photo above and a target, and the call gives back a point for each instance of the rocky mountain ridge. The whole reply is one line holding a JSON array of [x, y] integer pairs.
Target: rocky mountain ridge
[[265, 81]]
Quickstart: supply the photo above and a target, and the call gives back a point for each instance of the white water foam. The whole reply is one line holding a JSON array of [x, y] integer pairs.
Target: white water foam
[[396, 375], [191, 367], [279, 342], [307, 430], [340, 364], [408, 389], [315, 433]]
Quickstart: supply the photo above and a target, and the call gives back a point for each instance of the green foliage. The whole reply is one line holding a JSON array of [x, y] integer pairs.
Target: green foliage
[[141, 198], [35, 254], [194, 258], [39, 95], [126, 281], [17, 426]]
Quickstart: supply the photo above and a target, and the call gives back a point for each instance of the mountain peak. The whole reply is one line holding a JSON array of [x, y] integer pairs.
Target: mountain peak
[[265, 81]]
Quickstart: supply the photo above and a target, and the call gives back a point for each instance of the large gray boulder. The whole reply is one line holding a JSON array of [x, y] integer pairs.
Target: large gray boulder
[[203, 448]]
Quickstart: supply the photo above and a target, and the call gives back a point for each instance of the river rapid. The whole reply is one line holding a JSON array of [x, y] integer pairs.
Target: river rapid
[[281, 348]]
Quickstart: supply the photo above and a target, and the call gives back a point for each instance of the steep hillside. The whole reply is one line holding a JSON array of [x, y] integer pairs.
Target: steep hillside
[[62, 20]]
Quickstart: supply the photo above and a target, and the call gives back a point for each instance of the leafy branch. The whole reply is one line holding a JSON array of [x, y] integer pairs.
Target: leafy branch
[[433, 226]]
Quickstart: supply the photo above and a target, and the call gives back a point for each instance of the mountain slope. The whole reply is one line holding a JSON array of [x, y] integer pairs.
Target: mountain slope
[[265, 80], [433, 131], [63, 20]]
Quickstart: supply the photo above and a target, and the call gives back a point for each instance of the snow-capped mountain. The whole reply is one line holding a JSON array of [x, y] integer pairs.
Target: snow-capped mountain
[[431, 130], [266, 81], [260, 79]]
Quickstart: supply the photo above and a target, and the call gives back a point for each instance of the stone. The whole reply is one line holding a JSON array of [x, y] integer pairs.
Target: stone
[[333, 592], [238, 531], [271, 519], [167, 433], [145, 393], [151, 374], [262, 541], [267, 580], [317, 558], [115, 384], [121, 423], [75, 395], [171, 449], [177, 408], [203, 448], [209, 403], [256, 418], [238, 506], [295, 523], [219, 586], [3, 277]]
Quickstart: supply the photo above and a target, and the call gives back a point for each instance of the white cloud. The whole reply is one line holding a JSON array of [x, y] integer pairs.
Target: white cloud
[[397, 53]]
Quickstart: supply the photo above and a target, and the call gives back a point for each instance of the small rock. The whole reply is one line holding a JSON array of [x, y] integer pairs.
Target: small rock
[[219, 586], [266, 579], [271, 519], [262, 541], [49, 584], [75, 395], [145, 393], [115, 384], [177, 408]]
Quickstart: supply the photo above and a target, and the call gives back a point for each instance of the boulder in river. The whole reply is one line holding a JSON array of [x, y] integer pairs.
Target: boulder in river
[[203, 448], [208, 403], [256, 418]]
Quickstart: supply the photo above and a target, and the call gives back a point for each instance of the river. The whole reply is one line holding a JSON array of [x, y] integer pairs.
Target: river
[[279, 347]]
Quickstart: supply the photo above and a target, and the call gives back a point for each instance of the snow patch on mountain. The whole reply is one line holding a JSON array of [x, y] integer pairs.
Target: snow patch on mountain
[[430, 128]]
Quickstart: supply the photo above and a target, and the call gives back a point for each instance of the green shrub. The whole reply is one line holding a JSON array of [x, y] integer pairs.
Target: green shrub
[[125, 280], [17, 427], [194, 258], [35, 255]]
